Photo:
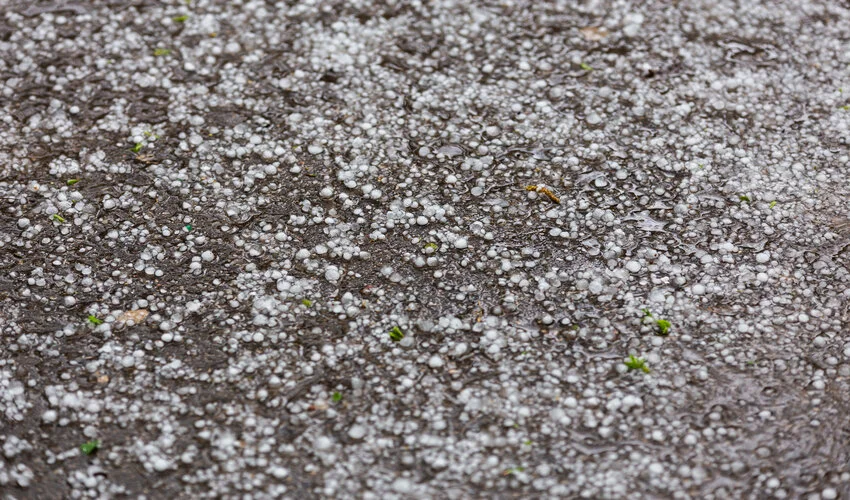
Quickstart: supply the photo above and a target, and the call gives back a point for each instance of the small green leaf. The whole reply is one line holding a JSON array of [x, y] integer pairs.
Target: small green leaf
[[432, 246], [586, 67], [527, 442], [845, 107], [744, 197], [161, 52], [181, 19], [396, 334], [636, 363], [94, 320], [90, 447], [188, 227], [138, 147], [336, 397], [772, 203], [58, 218], [513, 470], [663, 326], [646, 313], [71, 182], [307, 302]]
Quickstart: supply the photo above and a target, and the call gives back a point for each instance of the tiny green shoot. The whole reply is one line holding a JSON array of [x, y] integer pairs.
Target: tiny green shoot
[[662, 324], [71, 182], [772, 204], [94, 320], [528, 442], [307, 302], [744, 197], [513, 470], [336, 397], [180, 19], [138, 147], [90, 447], [636, 363], [586, 67], [846, 107], [432, 246], [396, 334], [161, 52], [58, 218]]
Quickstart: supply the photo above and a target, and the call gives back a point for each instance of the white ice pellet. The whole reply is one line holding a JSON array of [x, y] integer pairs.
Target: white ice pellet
[[323, 443], [435, 362], [302, 254], [357, 431], [332, 273]]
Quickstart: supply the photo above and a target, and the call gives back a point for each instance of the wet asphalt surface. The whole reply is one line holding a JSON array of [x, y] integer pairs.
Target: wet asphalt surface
[[424, 249]]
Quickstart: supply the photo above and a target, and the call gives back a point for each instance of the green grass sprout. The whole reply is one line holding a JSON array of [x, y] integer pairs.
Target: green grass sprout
[[161, 52], [94, 320], [181, 19], [662, 324], [586, 67], [396, 334], [307, 302], [138, 147], [71, 182], [636, 363], [58, 218], [90, 447], [336, 397]]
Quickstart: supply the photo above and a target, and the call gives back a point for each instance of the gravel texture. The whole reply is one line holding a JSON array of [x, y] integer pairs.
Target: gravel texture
[[387, 249]]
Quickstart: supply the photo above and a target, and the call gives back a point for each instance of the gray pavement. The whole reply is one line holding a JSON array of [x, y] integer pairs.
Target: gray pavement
[[403, 249]]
